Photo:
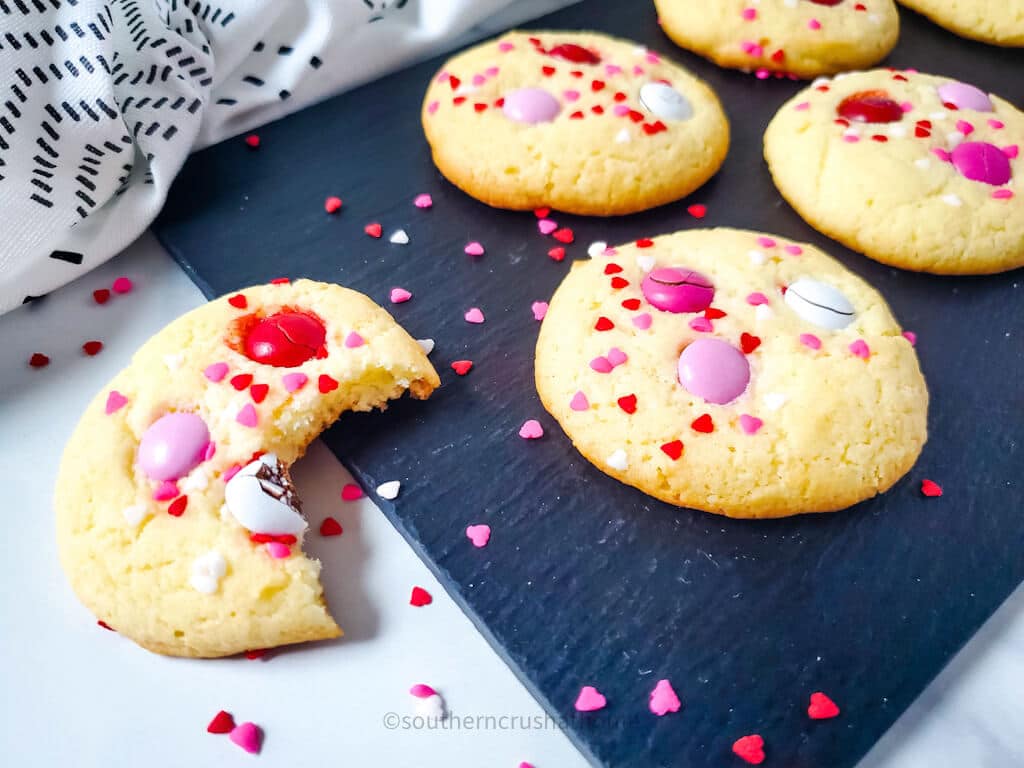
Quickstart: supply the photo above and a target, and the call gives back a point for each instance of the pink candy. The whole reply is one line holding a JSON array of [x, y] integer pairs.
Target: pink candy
[[677, 290]]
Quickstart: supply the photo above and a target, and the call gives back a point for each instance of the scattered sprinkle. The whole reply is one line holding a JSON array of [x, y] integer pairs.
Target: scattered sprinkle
[[750, 749], [590, 699], [698, 211], [122, 285], [330, 527], [115, 401], [92, 348], [420, 597], [557, 253], [351, 492], [135, 514], [293, 382], [400, 295], [750, 424], [911, 337], [354, 340], [423, 201], [474, 315], [673, 449], [238, 301], [462, 367], [531, 430], [207, 571], [579, 402], [248, 736], [618, 460], [374, 229], [252, 141], [704, 424], [332, 204], [247, 416], [539, 309], [930, 488], [427, 345], [278, 550], [479, 535], [222, 722], [474, 249], [38, 360], [663, 699], [101, 295], [389, 490], [860, 349], [596, 249], [810, 341], [399, 237], [821, 707], [564, 235], [546, 226]]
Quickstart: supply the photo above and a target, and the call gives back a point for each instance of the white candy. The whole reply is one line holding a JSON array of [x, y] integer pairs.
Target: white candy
[[618, 460], [596, 249], [399, 237], [819, 304], [665, 101], [135, 514], [207, 571], [389, 490], [623, 137], [427, 345], [251, 502], [763, 312]]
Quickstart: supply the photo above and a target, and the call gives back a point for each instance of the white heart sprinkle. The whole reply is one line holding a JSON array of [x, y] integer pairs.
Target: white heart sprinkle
[[596, 249], [173, 362], [923, 163], [646, 263], [938, 116], [639, 51], [135, 514], [763, 312], [952, 200], [623, 137], [399, 237], [618, 460], [427, 345], [198, 480], [954, 138], [775, 400], [465, 90], [818, 82], [389, 490], [897, 131], [207, 571], [430, 707], [757, 257]]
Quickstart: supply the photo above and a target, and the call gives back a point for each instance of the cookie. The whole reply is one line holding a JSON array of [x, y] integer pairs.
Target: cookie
[[733, 372], [177, 523], [576, 121], [798, 37], [916, 171], [999, 22]]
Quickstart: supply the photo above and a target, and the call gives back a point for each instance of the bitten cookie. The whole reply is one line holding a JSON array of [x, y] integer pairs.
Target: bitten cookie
[[177, 523], [799, 37], [916, 171], [577, 121], [733, 372], [1000, 22]]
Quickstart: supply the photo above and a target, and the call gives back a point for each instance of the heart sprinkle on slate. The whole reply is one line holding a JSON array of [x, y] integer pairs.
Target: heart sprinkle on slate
[[101, 296], [332, 204], [557, 253], [474, 315], [564, 235], [423, 201], [389, 490], [474, 249], [590, 699], [541, 213], [930, 488], [663, 699], [420, 597], [252, 141], [531, 430], [697, 211], [400, 295], [248, 736], [257, 653], [122, 285], [374, 229], [822, 707], [222, 722], [479, 535], [750, 749], [539, 309], [399, 237], [38, 360], [462, 367], [330, 527], [351, 492], [92, 348]]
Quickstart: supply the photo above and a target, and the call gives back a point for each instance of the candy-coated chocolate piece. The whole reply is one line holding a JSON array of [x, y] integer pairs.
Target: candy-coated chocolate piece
[[964, 96], [531, 105], [665, 101], [261, 497], [677, 289], [870, 107], [981, 161], [819, 304], [172, 446], [714, 370], [285, 339], [577, 54]]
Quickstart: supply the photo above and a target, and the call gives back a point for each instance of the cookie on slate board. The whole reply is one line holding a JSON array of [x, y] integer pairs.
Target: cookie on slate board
[[177, 523], [999, 22], [578, 121], [916, 171], [800, 37], [734, 372]]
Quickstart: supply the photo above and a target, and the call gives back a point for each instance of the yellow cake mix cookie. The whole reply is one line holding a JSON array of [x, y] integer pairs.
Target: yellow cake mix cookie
[[177, 522], [733, 372], [1000, 22], [577, 121], [917, 171], [798, 37]]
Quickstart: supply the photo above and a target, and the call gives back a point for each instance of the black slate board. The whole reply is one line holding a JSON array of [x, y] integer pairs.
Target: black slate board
[[586, 581]]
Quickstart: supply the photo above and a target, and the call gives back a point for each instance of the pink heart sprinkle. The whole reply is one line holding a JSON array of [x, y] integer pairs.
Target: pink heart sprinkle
[[166, 491], [851, 138], [278, 550], [505, 47], [860, 349], [210, 451], [1011, 151], [216, 372], [942, 154], [479, 79], [491, 71], [609, 251], [701, 325], [663, 699], [793, 250], [579, 402], [354, 340], [231, 471], [248, 736], [571, 95], [590, 699], [422, 691], [432, 107], [616, 357], [762, 74], [115, 402], [423, 201], [601, 364], [400, 295], [531, 430], [814, 24], [766, 242], [810, 340], [474, 315], [540, 310], [247, 416], [1003, 194], [642, 321], [612, 69], [351, 492], [525, 764], [911, 337], [964, 127], [479, 534], [996, 124], [756, 299], [652, 57], [750, 424], [293, 382], [474, 249], [546, 226], [802, 106], [619, 110], [122, 285], [749, 14]]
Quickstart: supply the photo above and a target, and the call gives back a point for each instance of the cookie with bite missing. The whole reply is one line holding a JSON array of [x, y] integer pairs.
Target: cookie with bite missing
[[177, 523], [577, 121], [916, 171], [732, 372]]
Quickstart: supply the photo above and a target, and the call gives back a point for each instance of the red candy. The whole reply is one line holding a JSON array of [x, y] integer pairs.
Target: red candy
[[575, 53], [870, 107], [285, 339]]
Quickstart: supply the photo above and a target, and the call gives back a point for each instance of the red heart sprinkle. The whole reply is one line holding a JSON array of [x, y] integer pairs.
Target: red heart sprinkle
[[499, 102], [548, 71], [252, 140], [101, 296], [106, 626], [779, 56], [620, 96], [462, 367], [880, 138], [420, 597], [603, 324], [921, 132], [899, 77], [177, 508], [750, 749], [330, 527], [628, 403], [541, 213], [557, 253], [222, 722], [860, 7], [241, 381], [238, 301], [563, 235], [597, 85], [479, 107], [673, 450], [458, 100], [612, 268], [577, 115], [650, 128], [597, 109], [454, 82], [698, 211], [822, 707], [332, 204], [351, 492], [749, 343], [258, 392], [930, 488], [326, 384], [703, 424], [373, 230], [576, 73], [38, 360], [644, 242], [257, 653], [280, 281], [632, 304], [635, 116], [92, 348], [713, 313], [619, 283]]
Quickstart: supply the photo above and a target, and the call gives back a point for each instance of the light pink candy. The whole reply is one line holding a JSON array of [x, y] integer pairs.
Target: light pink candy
[[579, 402], [810, 340], [601, 364], [294, 381], [911, 337], [422, 691], [860, 349], [432, 107], [612, 69], [247, 416], [1011, 151], [546, 226], [168, 489], [766, 242], [474, 249], [539, 309], [616, 357], [620, 110], [750, 424], [802, 106], [756, 299], [793, 250], [474, 315], [400, 295], [531, 430], [231, 472], [1003, 194], [248, 736], [423, 201], [749, 14], [505, 46], [354, 340], [278, 550], [122, 285], [571, 95], [479, 79], [964, 127], [814, 24], [479, 535], [115, 402], [663, 699], [216, 372], [590, 699], [701, 325], [996, 124], [210, 452], [642, 321]]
